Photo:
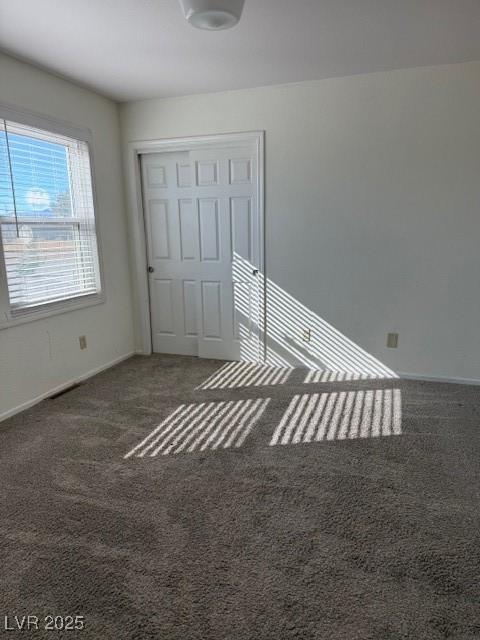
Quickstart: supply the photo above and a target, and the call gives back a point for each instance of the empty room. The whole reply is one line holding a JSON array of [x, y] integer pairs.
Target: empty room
[[239, 319]]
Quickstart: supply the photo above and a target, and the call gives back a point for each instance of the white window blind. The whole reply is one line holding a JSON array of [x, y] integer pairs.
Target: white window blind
[[47, 219]]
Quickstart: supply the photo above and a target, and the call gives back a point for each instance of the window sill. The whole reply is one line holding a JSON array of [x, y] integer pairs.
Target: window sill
[[52, 309]]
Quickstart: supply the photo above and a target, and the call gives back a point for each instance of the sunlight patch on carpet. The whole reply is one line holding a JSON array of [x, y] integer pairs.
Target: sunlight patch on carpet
[[245, 374], [207, 425], [341, 415]]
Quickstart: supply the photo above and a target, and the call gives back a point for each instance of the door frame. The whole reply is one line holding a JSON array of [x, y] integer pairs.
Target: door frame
[[136, 223]]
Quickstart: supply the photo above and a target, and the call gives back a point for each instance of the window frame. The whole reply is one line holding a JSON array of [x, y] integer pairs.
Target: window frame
[[8, 316]]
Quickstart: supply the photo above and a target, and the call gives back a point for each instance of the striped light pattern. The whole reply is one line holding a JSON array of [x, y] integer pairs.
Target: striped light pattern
[[197, 427], [289, 322], [324, 375], [245, 374], [341, 415]]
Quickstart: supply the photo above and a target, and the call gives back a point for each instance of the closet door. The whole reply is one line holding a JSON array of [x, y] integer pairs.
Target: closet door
[[228, 281], [171, 225], [202, 225]]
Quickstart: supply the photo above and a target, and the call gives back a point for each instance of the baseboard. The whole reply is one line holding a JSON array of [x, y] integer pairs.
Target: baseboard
[[417, 376], [65, 385]]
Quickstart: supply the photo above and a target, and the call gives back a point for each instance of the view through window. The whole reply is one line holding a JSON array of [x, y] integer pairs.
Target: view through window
[[47, 219]]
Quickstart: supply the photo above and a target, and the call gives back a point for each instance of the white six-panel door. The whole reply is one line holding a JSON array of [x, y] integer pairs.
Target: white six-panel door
[[203, 242]]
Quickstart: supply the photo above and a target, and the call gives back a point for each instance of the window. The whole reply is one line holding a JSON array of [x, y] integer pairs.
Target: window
[[47, 220]]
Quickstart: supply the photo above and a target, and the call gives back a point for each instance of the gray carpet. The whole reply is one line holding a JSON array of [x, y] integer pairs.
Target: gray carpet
[[277, 509]]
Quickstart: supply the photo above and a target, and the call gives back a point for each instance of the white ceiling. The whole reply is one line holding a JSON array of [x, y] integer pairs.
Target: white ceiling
[[131, 49]]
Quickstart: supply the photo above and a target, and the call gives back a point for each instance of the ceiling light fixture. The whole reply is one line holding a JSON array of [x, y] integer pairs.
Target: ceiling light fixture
[[212, 14]]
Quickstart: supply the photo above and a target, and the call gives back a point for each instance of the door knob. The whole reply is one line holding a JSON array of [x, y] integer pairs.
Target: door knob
[[254, 272], [151, 269]]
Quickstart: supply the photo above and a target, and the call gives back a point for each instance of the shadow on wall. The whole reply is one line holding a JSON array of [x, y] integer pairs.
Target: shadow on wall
[[322, 349]]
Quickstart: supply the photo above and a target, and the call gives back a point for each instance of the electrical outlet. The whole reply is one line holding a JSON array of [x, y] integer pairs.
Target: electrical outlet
[[306, 334], [392, 340], [83, 342]]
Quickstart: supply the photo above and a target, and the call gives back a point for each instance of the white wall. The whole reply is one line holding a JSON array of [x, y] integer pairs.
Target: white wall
[[42, 355], [372, 202]]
